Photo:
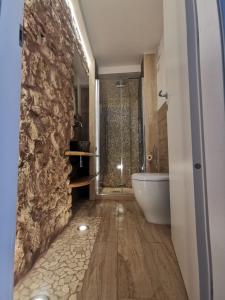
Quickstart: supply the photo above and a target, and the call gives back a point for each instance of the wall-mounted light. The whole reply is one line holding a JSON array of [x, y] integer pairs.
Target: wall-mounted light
[[72, 5]]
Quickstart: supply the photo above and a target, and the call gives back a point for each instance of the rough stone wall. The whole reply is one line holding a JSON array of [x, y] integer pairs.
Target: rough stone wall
[[163, 139], [44, 201]]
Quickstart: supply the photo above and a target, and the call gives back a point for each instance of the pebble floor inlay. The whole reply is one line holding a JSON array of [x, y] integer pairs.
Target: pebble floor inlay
[[59, 273]]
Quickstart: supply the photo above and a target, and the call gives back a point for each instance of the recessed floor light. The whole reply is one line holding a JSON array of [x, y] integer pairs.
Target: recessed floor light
[[40, 297], [83, 227]]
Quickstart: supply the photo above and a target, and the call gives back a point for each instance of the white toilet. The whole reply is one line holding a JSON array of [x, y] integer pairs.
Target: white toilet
[[152, 193]]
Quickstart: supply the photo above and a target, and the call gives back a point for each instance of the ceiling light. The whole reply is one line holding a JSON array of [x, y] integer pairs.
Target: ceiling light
[[75, 17], [83, 227]]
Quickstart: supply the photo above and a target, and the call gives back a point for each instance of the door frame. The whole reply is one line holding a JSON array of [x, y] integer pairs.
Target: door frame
[[10, 85], [10, 74], [213, 119], [198, 154], [206, 79]]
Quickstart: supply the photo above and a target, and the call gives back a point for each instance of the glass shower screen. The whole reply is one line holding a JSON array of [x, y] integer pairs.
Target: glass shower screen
[[120, 134]]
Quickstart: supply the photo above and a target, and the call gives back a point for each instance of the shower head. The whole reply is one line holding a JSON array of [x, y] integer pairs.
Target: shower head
[[120, 84]]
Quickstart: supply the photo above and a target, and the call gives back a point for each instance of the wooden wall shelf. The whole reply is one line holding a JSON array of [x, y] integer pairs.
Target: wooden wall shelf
[[81, 182], [79, 153]]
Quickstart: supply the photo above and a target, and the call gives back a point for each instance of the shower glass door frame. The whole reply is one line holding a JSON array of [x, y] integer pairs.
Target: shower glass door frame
[[119, 108], [121, 136]]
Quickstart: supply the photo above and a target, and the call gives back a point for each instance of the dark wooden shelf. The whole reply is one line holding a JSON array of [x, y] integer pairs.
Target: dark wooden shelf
[[79, 153], [84, 181]]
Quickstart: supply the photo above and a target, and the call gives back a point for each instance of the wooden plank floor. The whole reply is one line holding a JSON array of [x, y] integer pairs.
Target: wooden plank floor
[[132, 259]]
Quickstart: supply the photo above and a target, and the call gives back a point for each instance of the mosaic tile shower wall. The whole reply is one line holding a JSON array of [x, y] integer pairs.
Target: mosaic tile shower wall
[[120, 131]]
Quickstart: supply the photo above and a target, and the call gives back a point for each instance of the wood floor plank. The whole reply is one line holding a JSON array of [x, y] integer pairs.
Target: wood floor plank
[[168, 272], [107, 211], [153, 272], [135, 280], [159, 296], [108, 231], [153, 233], [132, 259], [101, 277]]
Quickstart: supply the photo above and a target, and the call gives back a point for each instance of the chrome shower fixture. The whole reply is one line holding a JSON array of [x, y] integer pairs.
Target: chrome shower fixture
[[120, 84]]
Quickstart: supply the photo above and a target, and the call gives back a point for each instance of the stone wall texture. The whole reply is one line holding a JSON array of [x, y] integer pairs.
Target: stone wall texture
[[44, 201], [163, 139]]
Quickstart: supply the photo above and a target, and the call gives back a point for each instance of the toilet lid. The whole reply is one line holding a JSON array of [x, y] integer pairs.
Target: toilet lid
[[150, 176]]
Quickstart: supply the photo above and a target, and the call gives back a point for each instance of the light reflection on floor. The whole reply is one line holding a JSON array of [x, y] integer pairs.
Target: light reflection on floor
[[112, 190]]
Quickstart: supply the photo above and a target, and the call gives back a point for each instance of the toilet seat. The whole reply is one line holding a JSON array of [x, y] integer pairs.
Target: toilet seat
[[150, 176]]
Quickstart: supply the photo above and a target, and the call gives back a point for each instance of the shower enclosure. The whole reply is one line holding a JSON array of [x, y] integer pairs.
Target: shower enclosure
[[121, 149]]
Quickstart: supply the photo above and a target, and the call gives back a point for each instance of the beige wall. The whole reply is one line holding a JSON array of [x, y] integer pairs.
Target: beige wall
[[150, 108], [163, 139], [161, 76]]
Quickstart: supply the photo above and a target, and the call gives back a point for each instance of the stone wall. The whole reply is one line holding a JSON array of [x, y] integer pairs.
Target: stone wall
[[163, 139], [44, 201]]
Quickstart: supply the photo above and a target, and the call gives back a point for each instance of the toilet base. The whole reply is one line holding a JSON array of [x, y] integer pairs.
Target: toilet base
[[152, 194]]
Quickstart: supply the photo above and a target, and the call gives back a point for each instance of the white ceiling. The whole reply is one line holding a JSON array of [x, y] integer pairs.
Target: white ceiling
[[121, 31]]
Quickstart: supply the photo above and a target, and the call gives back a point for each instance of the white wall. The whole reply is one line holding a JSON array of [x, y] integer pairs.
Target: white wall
[[119, 69], [180, 145], [161, 72], [10, 81], [214, 135]]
